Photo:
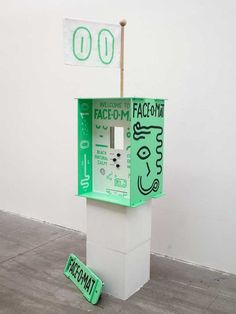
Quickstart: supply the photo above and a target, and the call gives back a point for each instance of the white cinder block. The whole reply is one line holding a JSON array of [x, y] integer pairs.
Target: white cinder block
[[123, 273], [117, 227], [137, 268], [138, 225]]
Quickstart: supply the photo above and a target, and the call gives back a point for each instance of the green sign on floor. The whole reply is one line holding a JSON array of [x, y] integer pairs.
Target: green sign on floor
[[84, 279]]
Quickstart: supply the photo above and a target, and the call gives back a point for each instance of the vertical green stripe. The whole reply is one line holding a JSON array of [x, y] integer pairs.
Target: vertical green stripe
[[82, 45], [84, 146], [106, 47]]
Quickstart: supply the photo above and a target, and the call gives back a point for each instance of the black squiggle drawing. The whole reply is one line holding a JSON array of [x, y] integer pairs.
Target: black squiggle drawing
[[143, 152], [140, 132], [148, 168], [158, 152], [145, 191]]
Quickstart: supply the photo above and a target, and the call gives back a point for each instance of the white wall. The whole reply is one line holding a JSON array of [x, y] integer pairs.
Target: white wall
[[180, 50]]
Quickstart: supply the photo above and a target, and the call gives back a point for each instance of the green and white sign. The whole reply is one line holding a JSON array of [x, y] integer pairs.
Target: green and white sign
[[91, 43], [84, 279], [120, 149]]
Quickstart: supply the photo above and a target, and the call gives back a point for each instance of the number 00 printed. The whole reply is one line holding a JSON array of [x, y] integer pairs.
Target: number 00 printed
[[89, 43], [83, 42]]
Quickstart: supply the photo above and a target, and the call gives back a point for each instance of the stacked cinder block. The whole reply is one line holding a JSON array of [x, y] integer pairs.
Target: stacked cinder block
[[118, 246]]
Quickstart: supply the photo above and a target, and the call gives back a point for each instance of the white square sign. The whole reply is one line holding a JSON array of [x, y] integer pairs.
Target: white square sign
[[91, 43]]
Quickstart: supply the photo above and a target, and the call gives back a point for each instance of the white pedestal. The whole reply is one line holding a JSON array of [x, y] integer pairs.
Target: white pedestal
[[118, 246]]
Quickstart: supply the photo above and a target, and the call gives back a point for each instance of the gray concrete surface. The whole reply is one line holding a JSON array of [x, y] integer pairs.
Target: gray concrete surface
[[33, 256]]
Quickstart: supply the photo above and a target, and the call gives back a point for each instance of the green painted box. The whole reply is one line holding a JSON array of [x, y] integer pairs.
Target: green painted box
[[120, 149]]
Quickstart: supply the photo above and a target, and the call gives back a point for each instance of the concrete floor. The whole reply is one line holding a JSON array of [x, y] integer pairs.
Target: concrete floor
[[33, 256]]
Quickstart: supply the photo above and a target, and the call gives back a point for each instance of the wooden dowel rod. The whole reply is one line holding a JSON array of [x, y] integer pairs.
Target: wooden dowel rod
[[122, 24]]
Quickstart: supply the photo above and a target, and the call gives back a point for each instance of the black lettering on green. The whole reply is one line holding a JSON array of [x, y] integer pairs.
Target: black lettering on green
[[161, 111], [70, 263], [92, 286], [75, 269], [85, 279], [153, 111], [76, 272], [88, 285], [124, 114], [111, 114], [80, 275], [72, 267], [145, 109], [115, 114], [134, 108], [139, 114]]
